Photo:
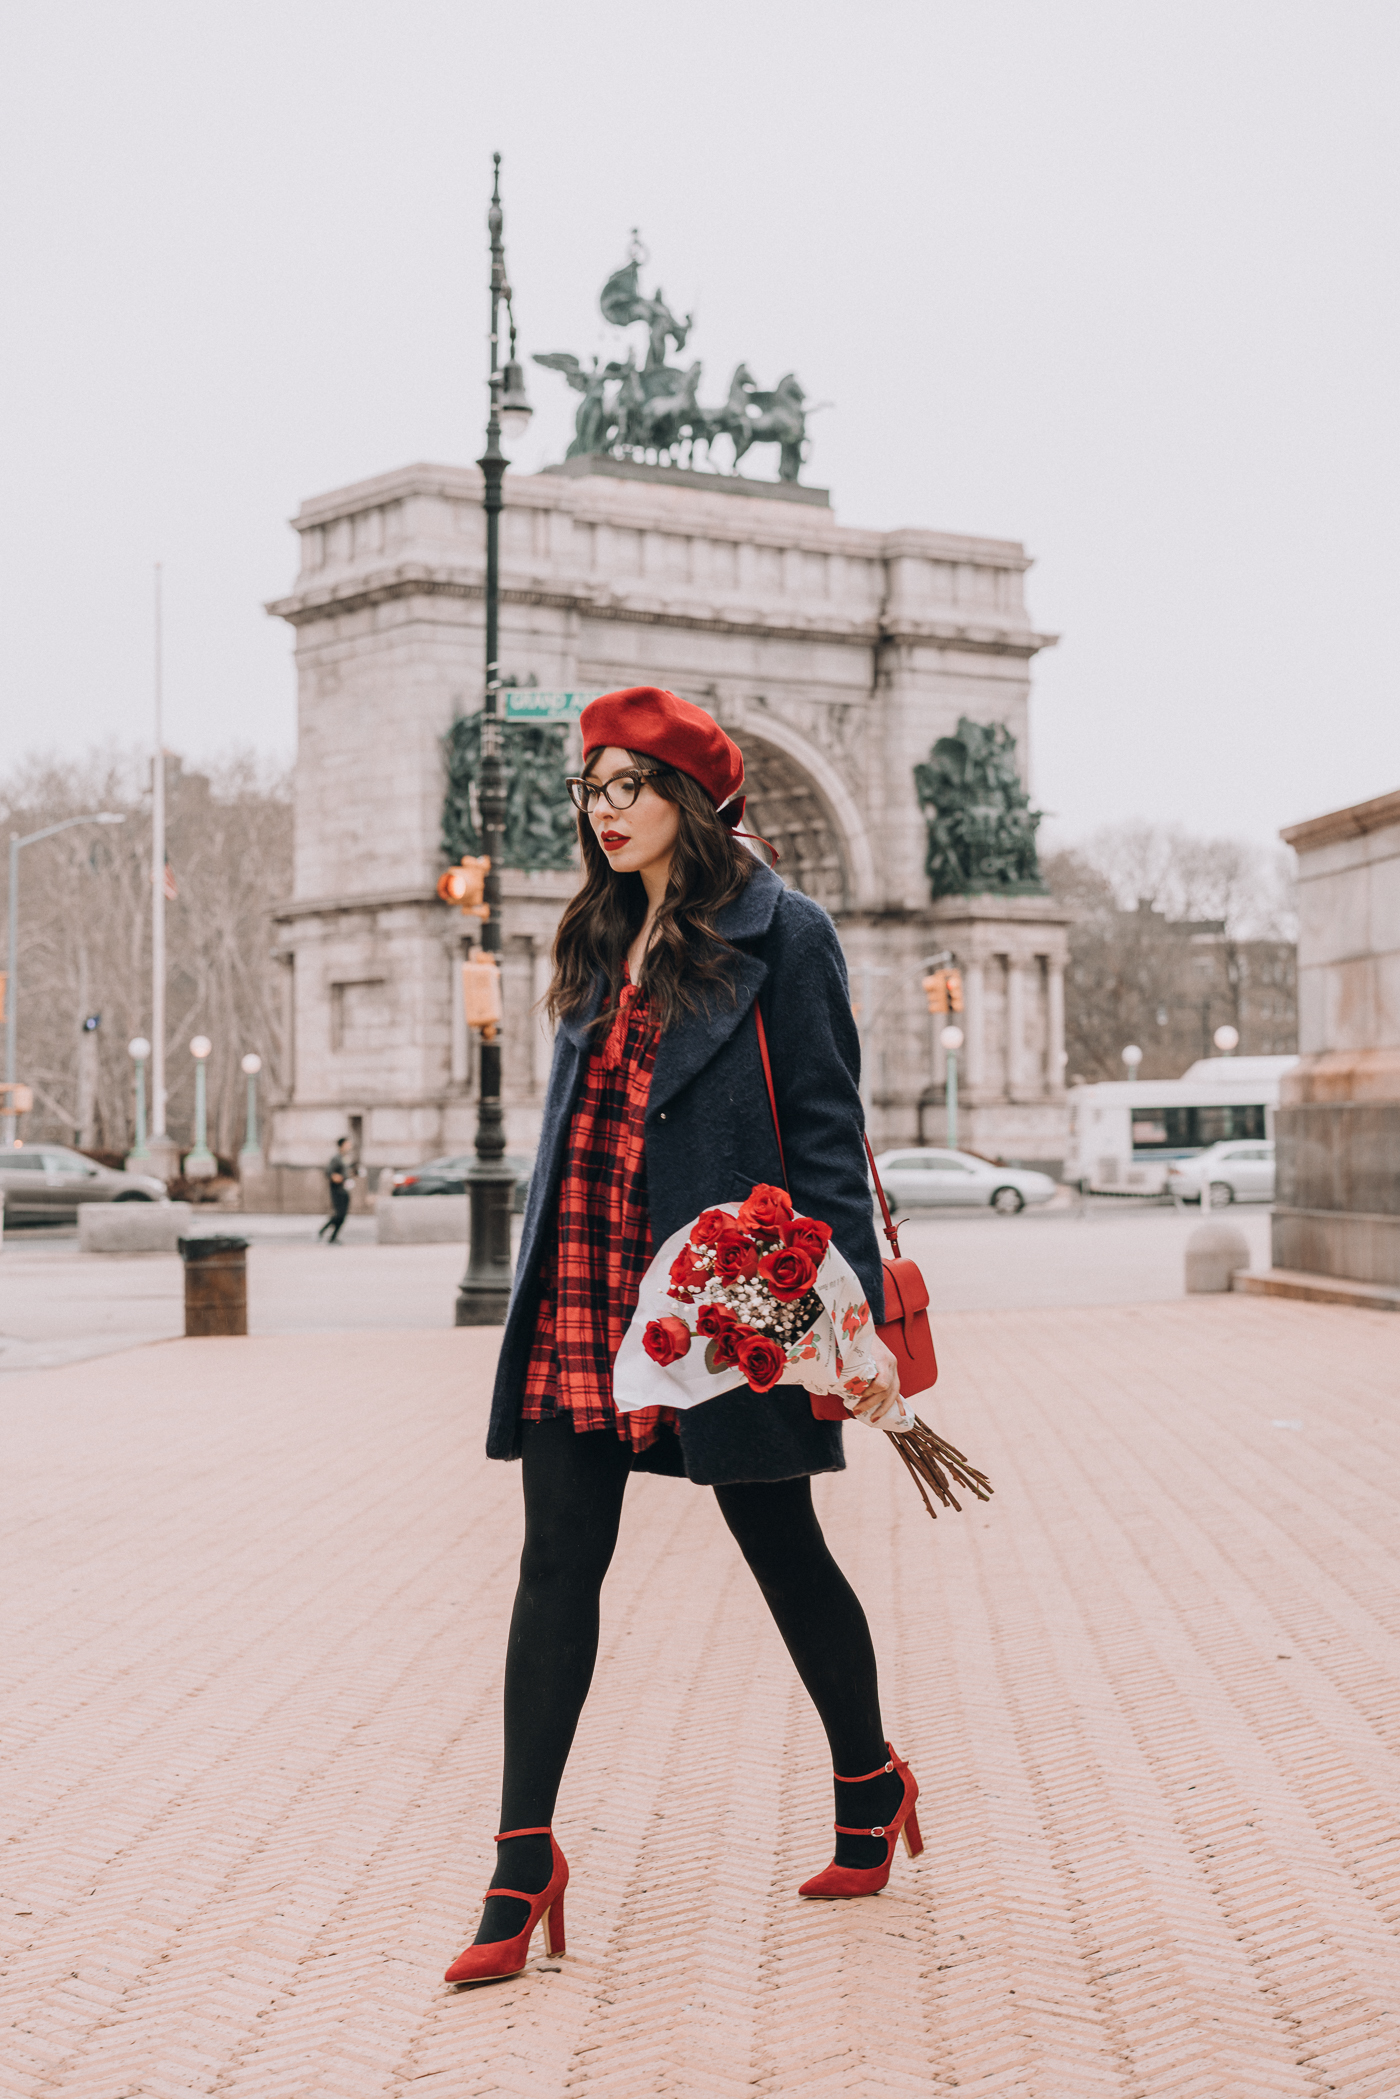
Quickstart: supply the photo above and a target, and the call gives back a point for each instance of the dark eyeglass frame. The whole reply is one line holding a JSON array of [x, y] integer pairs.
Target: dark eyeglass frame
[[583, 792]]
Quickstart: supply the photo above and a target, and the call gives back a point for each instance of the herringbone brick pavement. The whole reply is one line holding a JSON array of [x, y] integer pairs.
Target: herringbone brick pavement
[[255, 1596]]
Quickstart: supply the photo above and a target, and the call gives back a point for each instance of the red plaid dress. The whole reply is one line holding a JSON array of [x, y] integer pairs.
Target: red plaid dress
[[603, 1243]]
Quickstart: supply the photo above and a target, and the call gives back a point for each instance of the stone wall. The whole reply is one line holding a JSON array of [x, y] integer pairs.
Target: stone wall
[[1338, 1123]]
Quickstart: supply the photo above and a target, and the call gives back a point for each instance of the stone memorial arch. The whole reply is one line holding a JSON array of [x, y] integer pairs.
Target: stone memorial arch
[[837, 657]]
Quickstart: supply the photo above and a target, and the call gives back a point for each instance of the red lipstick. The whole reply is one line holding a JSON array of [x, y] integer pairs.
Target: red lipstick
[[611, 840]]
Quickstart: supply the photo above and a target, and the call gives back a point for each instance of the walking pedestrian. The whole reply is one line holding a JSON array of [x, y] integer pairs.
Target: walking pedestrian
[[657, 1108], [340, 1172]]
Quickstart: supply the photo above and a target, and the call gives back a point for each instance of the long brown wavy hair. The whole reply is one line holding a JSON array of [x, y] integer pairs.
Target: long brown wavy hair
[[709, 869]]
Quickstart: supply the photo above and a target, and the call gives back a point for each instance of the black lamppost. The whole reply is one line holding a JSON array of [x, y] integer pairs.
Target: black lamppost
[[484, 1291]]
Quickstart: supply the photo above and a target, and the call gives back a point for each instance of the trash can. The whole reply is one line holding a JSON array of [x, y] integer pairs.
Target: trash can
[[216, 1285]]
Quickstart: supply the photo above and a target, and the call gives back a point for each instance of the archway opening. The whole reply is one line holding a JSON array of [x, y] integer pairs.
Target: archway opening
[[784, 805]]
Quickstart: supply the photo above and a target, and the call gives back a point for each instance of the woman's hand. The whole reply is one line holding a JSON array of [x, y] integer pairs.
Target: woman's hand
[[882, 1393]]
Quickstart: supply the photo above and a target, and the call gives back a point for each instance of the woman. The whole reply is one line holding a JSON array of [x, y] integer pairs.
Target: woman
[[658, 1109]]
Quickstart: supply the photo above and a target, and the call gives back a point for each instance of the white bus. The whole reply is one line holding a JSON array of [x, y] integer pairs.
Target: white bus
[[1124, 1134]]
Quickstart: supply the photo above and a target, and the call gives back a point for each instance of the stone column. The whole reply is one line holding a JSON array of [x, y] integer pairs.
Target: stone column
[[460, 1045], [975, 1026], [1016, 1077], [1055, 1030]]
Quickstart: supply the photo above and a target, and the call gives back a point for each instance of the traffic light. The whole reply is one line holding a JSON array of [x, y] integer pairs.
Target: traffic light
[[955, 990], [936, 991], [465, 886]]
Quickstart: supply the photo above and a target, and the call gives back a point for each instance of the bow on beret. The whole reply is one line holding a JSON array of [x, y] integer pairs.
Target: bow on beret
[[660, 724]]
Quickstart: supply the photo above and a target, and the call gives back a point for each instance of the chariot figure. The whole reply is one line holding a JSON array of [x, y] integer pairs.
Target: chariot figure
[[655, 407]]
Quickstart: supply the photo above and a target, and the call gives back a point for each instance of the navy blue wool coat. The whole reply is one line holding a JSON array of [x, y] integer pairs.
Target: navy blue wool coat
[[710, 1139]]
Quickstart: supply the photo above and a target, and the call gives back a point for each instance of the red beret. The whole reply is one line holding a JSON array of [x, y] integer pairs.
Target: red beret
[[659, 724]]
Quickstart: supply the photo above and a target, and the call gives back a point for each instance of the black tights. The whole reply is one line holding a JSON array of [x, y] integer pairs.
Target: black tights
[[574, 1485]]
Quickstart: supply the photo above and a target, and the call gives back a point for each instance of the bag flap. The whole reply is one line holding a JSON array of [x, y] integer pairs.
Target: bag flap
[[906, 1292]]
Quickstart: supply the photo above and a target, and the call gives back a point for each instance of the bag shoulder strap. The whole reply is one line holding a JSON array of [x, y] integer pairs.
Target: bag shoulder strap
[[772, 1096], [890, 1228]]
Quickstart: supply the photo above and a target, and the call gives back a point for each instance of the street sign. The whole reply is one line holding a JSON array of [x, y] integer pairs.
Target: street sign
[[528, 703]]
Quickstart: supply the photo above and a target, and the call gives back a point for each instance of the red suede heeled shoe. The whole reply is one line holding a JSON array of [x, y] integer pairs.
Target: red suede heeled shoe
[[838, 1881], [503, 1957]]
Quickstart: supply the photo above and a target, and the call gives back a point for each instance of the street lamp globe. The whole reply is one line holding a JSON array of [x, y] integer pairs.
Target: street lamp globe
[[952, 1038], [1227, 1039], [252, 1064], [1132, 1057], [200, 1047], [138, 1049], [515, 406]]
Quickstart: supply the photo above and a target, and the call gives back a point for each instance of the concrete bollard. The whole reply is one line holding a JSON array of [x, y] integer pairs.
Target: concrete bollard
[[132, 1228], [1214, 1252], [420, 1220], [216, 1285]]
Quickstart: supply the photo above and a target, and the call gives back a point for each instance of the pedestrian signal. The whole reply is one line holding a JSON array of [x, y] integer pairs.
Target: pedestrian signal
[[936, 991], [465, 886], [955, 991], [481, 993]]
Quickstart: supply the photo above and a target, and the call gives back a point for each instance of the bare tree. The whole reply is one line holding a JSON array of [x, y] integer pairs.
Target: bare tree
[[85, 937], [1173, 936]]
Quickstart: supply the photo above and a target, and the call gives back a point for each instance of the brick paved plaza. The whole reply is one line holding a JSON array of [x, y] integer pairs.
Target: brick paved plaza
[[255, 1598]]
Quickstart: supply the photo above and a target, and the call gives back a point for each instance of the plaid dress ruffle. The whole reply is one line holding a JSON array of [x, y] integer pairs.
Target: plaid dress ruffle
[[602, 1246]]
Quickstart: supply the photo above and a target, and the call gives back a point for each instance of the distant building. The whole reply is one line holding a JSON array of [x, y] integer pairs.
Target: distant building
[[1337, 1214]]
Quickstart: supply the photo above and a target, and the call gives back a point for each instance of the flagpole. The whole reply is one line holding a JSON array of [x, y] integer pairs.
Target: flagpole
[[158, 894]]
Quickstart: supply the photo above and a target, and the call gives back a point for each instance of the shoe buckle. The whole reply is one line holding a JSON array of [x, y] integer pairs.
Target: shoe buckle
[[877, 1832], [889, 1767]]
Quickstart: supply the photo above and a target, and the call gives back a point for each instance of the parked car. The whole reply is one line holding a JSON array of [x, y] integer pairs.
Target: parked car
[[914, 1179], [1237, 1173], [449, 1177], [46, 1183]]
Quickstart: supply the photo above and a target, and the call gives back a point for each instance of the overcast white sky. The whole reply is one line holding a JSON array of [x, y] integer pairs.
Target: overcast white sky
[[1119, 280]]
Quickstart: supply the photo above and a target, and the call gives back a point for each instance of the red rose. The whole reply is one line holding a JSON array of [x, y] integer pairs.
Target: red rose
[[716, 1319], [789, 1272], [761, 1360], [736, 1257], [665, 1339], [811, 1235], [765, 1210], [688, 1273], [708, 1226], [722, 1353]]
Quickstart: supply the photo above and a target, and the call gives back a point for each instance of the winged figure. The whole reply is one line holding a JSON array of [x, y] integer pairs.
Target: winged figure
[[594, 427]]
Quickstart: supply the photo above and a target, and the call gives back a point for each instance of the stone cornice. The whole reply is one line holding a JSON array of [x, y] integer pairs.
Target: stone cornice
[[419, 580], [600, 499], [1340, 824], [372, 900]]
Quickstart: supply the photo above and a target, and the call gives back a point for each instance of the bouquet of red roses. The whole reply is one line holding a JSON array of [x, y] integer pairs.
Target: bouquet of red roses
[[750, 1293]]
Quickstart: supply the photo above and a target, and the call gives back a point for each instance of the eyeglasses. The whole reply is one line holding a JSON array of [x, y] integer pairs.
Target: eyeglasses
[[619, 793]]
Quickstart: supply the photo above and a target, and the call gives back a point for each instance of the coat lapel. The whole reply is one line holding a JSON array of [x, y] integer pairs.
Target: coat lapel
[[687, 1048]]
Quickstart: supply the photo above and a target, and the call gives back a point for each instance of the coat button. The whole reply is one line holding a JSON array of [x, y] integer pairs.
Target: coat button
[[662, 1116]]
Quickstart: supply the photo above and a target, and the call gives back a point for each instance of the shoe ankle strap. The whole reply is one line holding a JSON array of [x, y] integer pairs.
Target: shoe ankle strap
[[879, 1830], [544, 1830], [842, 1781]]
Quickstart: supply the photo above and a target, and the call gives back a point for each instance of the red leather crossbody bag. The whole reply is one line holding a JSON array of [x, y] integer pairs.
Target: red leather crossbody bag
[[905, 1330]]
